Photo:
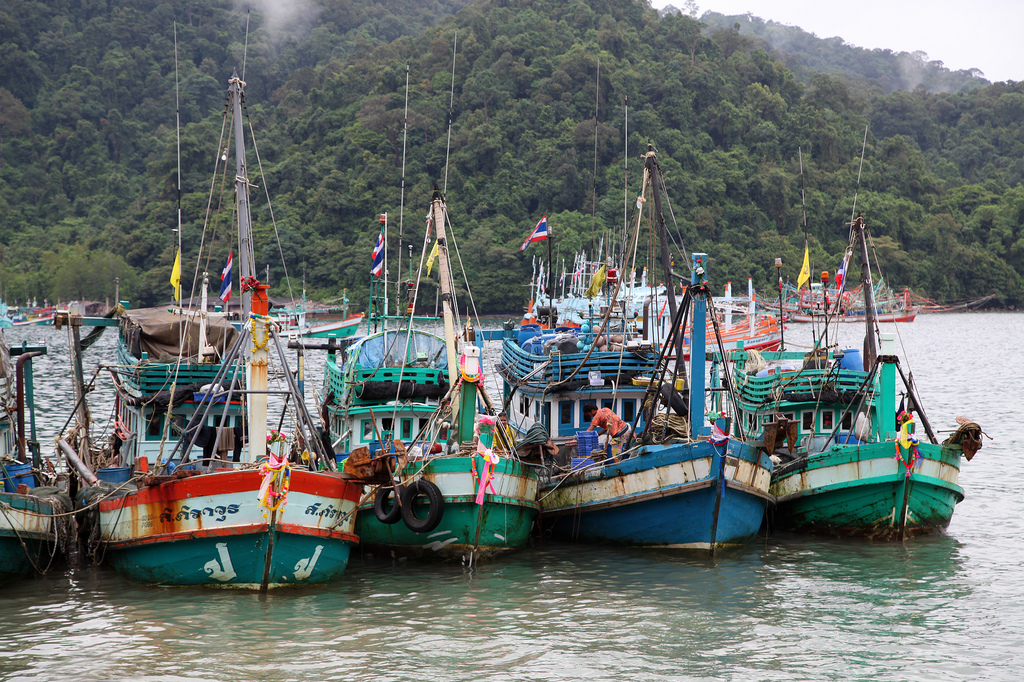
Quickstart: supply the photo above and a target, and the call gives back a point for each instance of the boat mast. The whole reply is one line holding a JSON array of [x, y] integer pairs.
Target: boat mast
[[444, 283], [258, 357], [651, 170], [242, 193], [870, 348]]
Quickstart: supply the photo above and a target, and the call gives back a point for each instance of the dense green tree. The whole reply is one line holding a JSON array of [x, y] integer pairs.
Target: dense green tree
[[535, 122]]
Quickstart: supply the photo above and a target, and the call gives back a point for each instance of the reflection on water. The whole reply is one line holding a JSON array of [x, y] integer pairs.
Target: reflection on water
[[946, 607]]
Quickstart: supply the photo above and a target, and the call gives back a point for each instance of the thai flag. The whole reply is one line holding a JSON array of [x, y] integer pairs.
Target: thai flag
[[718, 436], [841, 273], [539, 233], [225, 278], [377, 267]]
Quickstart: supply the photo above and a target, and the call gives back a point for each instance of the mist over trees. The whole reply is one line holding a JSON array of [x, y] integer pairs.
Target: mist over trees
[[88, 145]]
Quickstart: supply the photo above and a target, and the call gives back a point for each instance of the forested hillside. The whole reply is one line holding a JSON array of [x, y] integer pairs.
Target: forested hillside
[[869, 71], [88, 170]]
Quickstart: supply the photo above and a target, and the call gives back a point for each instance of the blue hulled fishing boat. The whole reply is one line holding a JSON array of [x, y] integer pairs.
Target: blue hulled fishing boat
[[674, 483]]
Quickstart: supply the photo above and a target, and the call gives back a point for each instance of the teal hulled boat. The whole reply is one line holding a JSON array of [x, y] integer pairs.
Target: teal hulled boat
[[198, 486], [34, 528], [849, 462], [407, 401]]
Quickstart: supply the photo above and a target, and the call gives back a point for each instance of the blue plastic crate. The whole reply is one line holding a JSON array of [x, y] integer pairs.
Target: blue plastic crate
[[586, 441], [581, 462]]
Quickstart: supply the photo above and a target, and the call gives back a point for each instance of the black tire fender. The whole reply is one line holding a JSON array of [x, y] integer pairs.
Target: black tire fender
[[435, 506], [389, 495]]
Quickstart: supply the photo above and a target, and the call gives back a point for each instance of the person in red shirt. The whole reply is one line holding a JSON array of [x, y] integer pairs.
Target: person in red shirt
[[609, 426]]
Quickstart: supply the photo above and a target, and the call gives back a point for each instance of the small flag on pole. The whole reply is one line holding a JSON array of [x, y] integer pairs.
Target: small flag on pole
[[540, 233], [176, 276], [431, 258], [377, 267], [805, 270], [841, 273], [719, 436], [225, 279]]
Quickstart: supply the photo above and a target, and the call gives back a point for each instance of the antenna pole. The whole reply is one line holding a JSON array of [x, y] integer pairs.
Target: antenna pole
[[177, 126], [401, 205], [451, 104]]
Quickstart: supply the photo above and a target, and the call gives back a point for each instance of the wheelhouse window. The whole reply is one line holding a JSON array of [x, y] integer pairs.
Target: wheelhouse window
[[808, 422], [628, 411], [565, 412], [406, 429], [367, 430], [827, 418], [848, 421]]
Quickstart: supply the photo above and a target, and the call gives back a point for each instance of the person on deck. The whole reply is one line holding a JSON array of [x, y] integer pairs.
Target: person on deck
[[609, 426], [504, 437]]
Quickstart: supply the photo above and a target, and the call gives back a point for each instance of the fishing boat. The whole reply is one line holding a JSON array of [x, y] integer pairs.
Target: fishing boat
[[33, 317], [676, 484], [195, 487], [838, 305], [295, 322], [402, 405], [35, 531], [849, 461], [744, 324]]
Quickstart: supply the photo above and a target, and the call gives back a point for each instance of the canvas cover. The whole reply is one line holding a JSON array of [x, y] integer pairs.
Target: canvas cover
[[394, 349], [165, 335]]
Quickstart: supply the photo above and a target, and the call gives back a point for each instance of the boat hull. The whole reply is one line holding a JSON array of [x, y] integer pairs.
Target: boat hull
[[865, 491], [689, 495], [25, 519], [467, 530], [907, 316], [340, 329], [211, 530]]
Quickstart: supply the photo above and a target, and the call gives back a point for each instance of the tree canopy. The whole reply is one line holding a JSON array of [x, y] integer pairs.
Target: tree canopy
[[88, 146]]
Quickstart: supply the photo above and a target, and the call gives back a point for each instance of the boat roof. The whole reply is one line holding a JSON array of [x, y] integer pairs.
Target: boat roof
[[159, 333], [397, 348]]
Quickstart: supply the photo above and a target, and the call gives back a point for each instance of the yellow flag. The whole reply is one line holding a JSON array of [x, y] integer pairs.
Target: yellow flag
[[431, 258], [595, 283], [176, 276], [805, 270]]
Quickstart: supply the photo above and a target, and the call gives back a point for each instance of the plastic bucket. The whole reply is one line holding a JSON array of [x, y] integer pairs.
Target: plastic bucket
[[16, 473], [114, 474], [340, 457]]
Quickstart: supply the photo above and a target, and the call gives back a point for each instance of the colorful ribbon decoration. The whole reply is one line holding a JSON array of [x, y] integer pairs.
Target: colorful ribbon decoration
[[486, 475], [275, 471], [908, 442]]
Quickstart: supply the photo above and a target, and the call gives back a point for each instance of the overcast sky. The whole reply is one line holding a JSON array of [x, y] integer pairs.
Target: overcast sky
[[983, 34]]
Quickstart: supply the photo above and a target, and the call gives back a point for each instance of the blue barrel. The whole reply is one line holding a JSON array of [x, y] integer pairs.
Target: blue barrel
[[852, 360], [339, 458], [16, 473], [114, 474], [528, 331]]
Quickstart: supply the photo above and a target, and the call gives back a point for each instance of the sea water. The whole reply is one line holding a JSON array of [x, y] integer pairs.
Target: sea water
[[785, 607]]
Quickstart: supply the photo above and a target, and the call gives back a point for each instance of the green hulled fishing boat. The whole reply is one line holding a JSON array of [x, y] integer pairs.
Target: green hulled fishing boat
[[404, 404], [848, 460]]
